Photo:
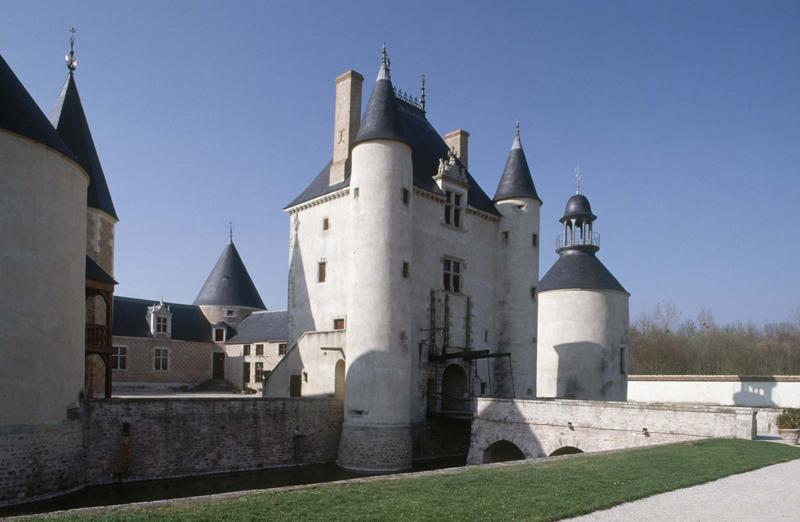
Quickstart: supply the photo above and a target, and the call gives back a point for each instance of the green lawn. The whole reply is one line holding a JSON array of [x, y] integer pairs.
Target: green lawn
[[547, 490]]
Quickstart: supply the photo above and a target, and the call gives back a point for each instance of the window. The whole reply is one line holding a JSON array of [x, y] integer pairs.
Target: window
[[161, 359], [338, 324], [161, 325], [406, 269], [622, 366], [536, 240], [452, 275], [321, 269], [452, 209], [355, 192], [246, 349], [486, 336], [326, 224], [119, 358], [533, 293], [230, 313], [406, 196], [219, 335], [259, 372], [505, 235], [282, 349], [246, 371], [259, 349]]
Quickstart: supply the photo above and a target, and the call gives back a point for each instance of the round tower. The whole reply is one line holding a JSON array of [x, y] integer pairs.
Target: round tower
[[583, 317], [517, 275], [376, 434], [43, 264]]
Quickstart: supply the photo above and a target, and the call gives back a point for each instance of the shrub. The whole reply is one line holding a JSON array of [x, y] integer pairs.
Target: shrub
[[789, 419]]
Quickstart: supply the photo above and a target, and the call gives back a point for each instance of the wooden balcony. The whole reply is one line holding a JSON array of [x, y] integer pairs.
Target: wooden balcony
[[98, 338]]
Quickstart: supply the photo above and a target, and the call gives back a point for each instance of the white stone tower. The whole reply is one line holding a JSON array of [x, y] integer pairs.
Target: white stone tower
[[583, 317], [376, 434], [517, 274], [42, 265]]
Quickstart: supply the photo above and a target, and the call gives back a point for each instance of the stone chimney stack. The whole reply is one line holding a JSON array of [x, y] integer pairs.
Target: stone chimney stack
[[458, 140], [346, 121]]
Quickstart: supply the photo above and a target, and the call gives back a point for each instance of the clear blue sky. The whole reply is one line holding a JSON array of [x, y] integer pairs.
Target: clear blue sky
[[684, 117]]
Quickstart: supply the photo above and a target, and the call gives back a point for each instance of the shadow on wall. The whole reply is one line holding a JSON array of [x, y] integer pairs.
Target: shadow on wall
[[502, 441], [578, 361], [299, 306], [455, 396], [757, 393]]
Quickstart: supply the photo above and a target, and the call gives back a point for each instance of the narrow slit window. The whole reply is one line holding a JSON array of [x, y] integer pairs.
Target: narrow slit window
[[321, 271], [406, 196], [535, 240], [533, 293], [406, 269], [326, 224]]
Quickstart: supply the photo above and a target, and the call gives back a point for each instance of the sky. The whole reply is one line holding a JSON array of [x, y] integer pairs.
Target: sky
[[684, 117]]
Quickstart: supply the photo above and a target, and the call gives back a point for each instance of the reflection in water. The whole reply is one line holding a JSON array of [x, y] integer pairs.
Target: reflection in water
[[123, 493]]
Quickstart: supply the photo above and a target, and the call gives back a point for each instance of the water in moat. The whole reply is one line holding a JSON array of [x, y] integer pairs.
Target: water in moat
[[144, 491]]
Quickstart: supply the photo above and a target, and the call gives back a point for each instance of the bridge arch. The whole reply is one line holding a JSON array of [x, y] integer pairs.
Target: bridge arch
[[502, 451], [566, 450]]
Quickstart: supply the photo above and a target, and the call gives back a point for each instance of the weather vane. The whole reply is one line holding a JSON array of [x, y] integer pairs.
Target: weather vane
[[230, 231], [578, 179], [72, 62]]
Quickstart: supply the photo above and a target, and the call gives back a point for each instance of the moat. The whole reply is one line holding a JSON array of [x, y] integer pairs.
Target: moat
[[150, 490]]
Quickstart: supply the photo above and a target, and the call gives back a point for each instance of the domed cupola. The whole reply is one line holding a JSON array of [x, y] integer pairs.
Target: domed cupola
[[577, 221]]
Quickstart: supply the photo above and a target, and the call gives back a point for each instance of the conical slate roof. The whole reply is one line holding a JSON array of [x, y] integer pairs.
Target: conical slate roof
[[20, 114], [70, 121], [579, 270], [516, 181], [229, 284], [381, 120]]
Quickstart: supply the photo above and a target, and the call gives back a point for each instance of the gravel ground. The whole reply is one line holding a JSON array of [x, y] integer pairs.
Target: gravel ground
[[771, 493]]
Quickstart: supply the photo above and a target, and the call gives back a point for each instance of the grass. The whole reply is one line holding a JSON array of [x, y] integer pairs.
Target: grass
[[547, 490]]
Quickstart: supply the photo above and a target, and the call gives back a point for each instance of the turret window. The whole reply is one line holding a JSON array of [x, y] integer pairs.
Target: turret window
[[452, 209], [322, 271], [326, 224], [452, 275], [533, 293], [229, 312], [406, 196], [536, 240]]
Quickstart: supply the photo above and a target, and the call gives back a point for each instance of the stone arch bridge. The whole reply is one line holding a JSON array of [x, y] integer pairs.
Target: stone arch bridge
[[544, 427]]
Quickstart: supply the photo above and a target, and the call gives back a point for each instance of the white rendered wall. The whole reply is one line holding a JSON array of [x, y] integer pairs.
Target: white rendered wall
[[377, 405], [729, 390], [314, 358], [581, 333], [313, 305], [100, 239], [42, 281], [235, 359], [517, 274]]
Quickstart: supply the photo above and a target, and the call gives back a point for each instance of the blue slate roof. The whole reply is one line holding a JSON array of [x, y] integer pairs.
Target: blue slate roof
[[229, 283], [69, 120], [188, 322], [516, 181], [95, 273], [20, 114], [579, 270], [262, 326]]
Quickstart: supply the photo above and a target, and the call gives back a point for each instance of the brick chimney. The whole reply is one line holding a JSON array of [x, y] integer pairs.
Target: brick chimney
[[458, 140], [346, 121]]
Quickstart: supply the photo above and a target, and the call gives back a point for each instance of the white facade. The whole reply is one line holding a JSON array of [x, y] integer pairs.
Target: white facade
[[42, 308], [583, 344]]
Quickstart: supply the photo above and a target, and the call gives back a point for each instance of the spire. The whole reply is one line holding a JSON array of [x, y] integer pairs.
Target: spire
[[381, 119], [229, 283], [72, 62], [230, 232], [384, 73], [22, 116], [69, 119], [516, 181], [422, 93], [578, 179]]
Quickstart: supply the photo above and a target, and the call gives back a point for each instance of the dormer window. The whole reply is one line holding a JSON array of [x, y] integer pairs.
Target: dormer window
[[452, 208], [219, 335], [162, 324]]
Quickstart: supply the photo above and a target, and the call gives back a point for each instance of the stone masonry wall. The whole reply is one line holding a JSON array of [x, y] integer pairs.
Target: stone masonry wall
[[38, 460], [540, 427], [138, 439]]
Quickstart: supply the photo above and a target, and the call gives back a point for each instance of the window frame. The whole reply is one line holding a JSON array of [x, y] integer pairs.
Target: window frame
[[337, 321], [258, 370], [453, 209], [245, 350], [452, 274], [246, 372], [283, 348], [164, 358], [162, 321], [116, 357], [214, 331], [260, 350], [322, 271]]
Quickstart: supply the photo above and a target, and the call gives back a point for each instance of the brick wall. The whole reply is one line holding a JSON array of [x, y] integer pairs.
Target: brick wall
[[184, 437]]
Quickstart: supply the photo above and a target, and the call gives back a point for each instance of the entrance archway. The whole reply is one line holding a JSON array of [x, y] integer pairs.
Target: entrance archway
[[339, 380], [454, 389], [566, 450], [502, 451]]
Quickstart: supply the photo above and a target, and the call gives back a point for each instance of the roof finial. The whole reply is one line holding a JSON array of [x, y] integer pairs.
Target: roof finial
[[230, 232], [578, 179], [72, 62], [422, 93], [386, 64], [517, 143]]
